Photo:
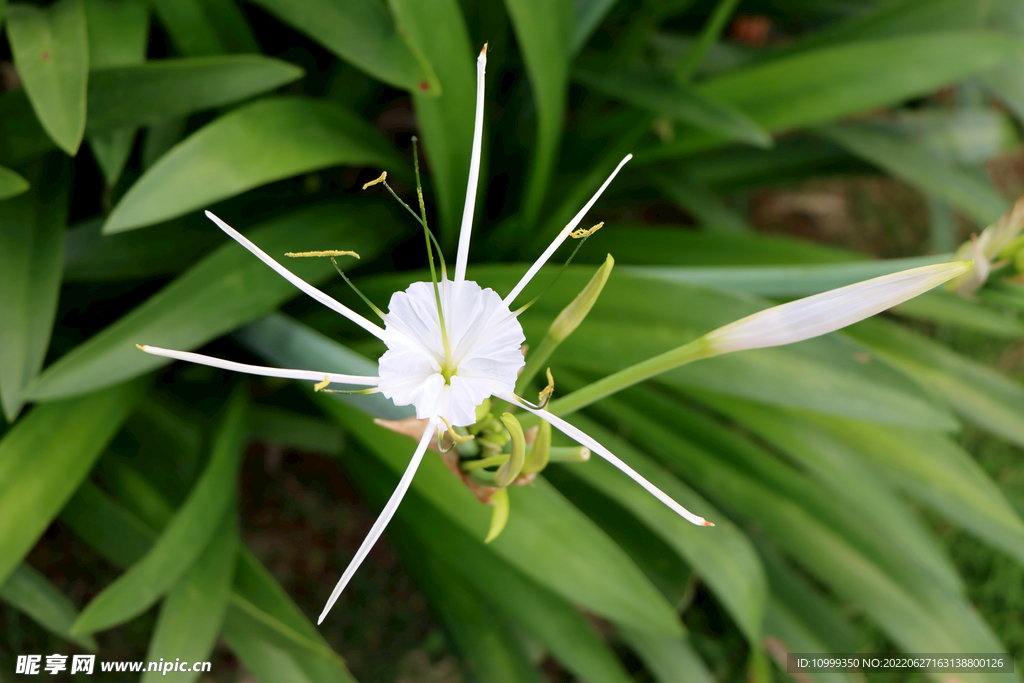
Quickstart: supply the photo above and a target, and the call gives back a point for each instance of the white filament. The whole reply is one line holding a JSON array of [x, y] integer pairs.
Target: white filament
[[462, 256]]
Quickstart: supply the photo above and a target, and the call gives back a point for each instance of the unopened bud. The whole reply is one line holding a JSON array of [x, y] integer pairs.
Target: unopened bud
[[829, 311]]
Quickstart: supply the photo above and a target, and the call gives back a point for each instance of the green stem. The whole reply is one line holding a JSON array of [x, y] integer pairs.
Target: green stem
[[708, 37], [606, 386]]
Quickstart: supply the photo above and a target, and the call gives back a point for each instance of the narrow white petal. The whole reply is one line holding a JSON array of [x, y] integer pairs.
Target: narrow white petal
[[829, 311], [581, 438], [562, 236], [309, 289], [462, 256], [382, 521], [311, 375]]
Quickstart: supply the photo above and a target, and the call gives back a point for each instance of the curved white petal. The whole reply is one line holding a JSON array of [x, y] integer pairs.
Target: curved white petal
[[593, 445], [562, 236], [462, 255], [309, 289], [382, 521], [261, 370]]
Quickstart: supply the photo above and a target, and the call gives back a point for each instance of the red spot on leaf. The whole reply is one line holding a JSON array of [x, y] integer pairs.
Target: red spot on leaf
[[46, 54], [424, 86]]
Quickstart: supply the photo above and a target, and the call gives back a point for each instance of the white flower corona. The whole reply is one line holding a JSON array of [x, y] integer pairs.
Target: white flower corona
[[444, 376]]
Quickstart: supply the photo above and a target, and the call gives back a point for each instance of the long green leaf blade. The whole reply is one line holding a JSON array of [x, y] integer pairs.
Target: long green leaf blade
[[254, 145], [32, 593], [31, 260], [51, 52], [193, 611], [185, 536], [11, 184], [43, 459]]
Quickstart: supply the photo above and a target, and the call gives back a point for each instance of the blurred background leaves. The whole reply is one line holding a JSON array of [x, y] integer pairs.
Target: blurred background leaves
[[867, 487]]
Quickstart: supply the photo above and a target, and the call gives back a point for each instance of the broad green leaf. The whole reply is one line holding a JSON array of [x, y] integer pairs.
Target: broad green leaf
[[11, 184], [276, 664], [679, 103], [43, 459], [436, 30], [152, 92], [942, 306], [51, 53], [668, 659], [361, 32], [185, 536], [783, 626], [208, 27], [1005, 83], [256, 144], [32, 593], [31, 260], [978, 393], [543, 30], [421, 531], [193, 611], [146, 94], [724, 558], [118, 34], [971, 192], [816, 86], [203, 303]]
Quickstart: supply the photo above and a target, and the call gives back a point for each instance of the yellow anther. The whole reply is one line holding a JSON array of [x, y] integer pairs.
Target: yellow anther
[[381, 179], [320, 386], [456, 437], [545, 393], [329, 252], [585, 232]]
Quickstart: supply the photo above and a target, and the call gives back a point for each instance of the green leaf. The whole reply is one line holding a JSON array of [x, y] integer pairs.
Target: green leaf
[[361, 32], [436, 30], [942, 306], [724, 558], [973, 390], [971, 192], [204, 303], [183, 539], [256, 144], [32, 593], [193, 611], [43, 459], [146, 94], [816, 86], [668, 659], [31, 259], [118, 34], [276, 664], [208, 27], [543, 29], [679, 103], [110, 529], [51, 53], [11, 184], [589, 14], [295, 431]]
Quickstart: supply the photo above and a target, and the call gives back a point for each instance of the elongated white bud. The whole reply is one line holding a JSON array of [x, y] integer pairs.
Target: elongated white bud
[[829, 311]]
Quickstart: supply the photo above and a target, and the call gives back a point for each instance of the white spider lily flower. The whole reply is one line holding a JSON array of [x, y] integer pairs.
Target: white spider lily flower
[[444, 370], [829, 311]]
